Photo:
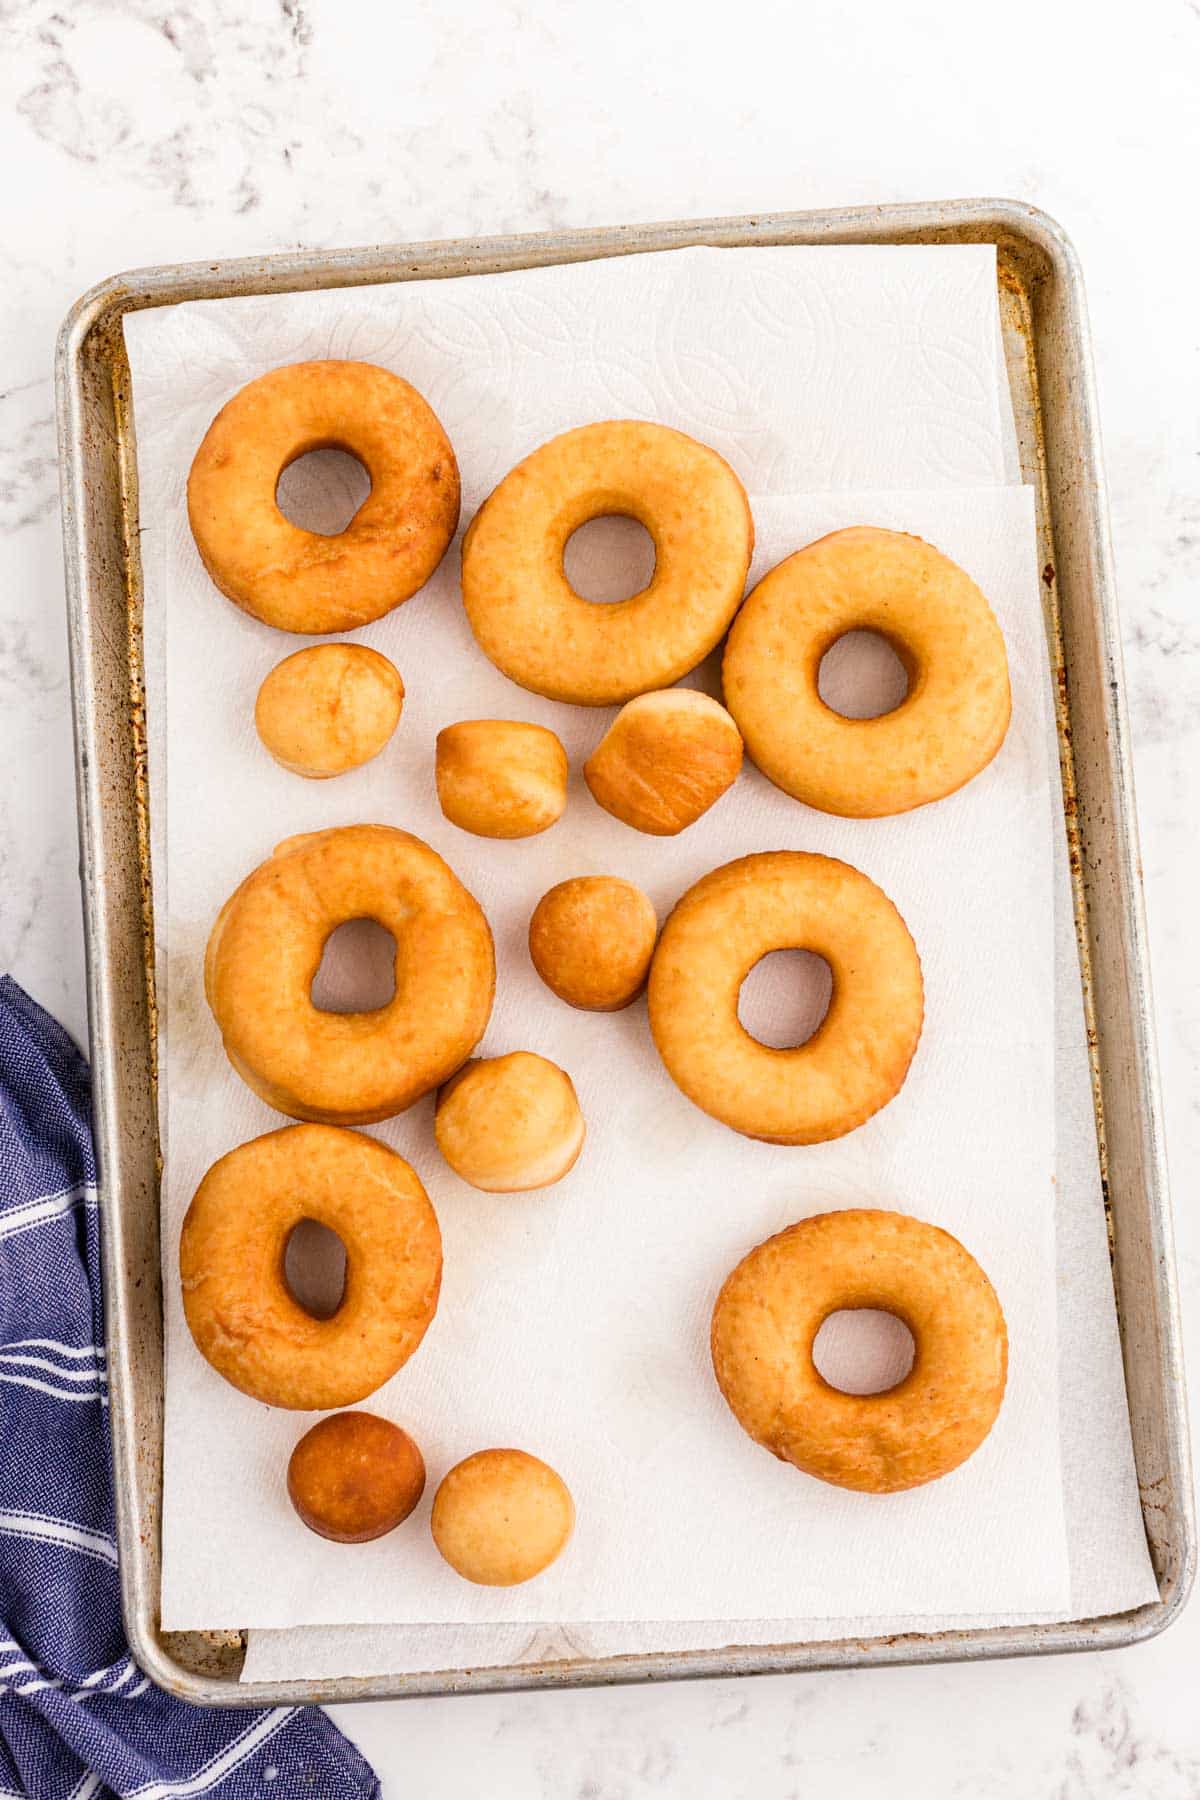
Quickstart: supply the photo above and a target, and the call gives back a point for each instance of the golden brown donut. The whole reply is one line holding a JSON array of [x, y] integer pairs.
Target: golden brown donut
[[954, 717], [501, 1517], [265, 949], [510, 1123], [664, 760], [329, 708], [231, 1264], [501, 778], [526, 616], [591, 939], [355, 1476], [302, 580], [856, 1060], [768, 1314]]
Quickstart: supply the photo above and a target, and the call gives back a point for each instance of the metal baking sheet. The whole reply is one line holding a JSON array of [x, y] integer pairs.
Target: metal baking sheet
[[1049, 362]]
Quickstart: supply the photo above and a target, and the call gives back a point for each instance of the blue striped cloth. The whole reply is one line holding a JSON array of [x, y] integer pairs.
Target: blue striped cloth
[[78, 1719]]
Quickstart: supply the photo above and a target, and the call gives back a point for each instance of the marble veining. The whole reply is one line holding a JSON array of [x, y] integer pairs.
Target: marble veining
[[138, 131]]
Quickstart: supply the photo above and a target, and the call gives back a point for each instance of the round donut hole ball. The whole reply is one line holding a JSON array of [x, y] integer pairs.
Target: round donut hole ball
[[501, 778], [501, 1517], [591, 939], [664, 760], [507, 1124], [329, 708], [354, 1477]]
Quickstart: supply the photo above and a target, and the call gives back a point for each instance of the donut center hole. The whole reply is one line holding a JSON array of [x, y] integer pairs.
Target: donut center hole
[[861, 1351], [314, 1268], [322, 490], [861, 676], [608, 559], [785, 997], [357, 972]]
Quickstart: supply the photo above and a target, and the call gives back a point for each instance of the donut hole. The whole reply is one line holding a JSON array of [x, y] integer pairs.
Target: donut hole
[[861, 676], [314, 1268], [785, 997], [322, 490], [609, 558], [357, 972], [862, 1351]]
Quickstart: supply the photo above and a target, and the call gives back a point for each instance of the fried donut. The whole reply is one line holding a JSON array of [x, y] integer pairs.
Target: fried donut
[[266, 946], [664, 760], [526, 616], [501, 1517], [768, 1314], [329, 708], [501, 778], [231, 1264], [945, 731], [510, 1123], [355, 1476], [591, 939], [302, 580], [856, 1060]]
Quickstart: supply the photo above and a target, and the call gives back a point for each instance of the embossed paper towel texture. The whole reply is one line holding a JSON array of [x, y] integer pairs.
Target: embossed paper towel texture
[[1110, 1567], [574, 1321]]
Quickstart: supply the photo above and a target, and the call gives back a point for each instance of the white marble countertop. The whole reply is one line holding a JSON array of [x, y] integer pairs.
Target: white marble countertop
[[140, 131]]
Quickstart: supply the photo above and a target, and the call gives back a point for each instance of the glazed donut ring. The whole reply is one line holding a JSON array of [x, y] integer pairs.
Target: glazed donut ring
[[768, 1314], [231, 1263], [526, 616], [265, 949], [302, 580], [856, 1060], [954, 717]]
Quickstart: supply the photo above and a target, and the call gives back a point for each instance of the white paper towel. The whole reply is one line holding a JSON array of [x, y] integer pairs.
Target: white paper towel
[[1110, 1566], [705, 341]]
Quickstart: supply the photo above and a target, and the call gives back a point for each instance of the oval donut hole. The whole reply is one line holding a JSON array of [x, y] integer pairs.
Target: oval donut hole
[[609, 559], [357, 972], [323, 490], [314, 1268], [784, 999], [861, 676], [863, 1351]]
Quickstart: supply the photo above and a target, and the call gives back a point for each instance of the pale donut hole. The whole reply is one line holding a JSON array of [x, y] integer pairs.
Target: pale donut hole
[[664, 760], [506, 1124], [501, 778], [328, 709], [501, 1517], [591, 939]]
